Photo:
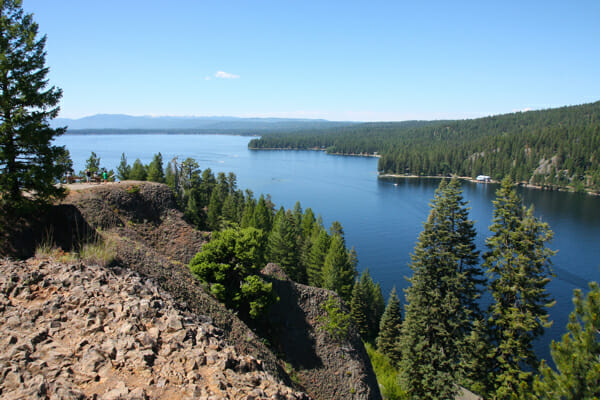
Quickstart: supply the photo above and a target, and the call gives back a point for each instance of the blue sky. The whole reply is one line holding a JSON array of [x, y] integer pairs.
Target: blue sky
[[338, 60]]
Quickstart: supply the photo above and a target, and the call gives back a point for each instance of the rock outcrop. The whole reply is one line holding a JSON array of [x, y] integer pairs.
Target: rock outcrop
[[153, 245], [81, 331], [328, 368]]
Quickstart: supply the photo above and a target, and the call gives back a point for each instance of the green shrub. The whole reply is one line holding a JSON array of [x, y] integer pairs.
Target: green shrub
[[336, 321], [229, 265], [133, 189]]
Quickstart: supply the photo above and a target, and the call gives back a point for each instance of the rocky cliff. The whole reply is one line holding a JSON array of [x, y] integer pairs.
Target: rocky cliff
[[76, 331], [152, 246]]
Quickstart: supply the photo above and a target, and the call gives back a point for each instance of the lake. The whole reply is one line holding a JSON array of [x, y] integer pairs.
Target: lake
[[382, 218]]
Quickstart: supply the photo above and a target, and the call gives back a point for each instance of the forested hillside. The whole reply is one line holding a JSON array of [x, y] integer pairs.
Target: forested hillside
[[555, 148]]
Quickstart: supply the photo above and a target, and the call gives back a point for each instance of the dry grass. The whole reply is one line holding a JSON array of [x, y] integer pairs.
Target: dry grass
[[101, 252]]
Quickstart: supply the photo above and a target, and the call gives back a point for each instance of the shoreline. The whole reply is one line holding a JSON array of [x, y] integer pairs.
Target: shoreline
[[463, 178], [398, 176], [473, 180], [316, 149]]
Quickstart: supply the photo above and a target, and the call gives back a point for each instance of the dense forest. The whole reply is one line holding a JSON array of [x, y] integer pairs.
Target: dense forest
[[415, 353], [555, 148]]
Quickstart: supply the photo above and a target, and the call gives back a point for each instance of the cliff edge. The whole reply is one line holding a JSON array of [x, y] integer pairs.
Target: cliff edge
[[152, 246]]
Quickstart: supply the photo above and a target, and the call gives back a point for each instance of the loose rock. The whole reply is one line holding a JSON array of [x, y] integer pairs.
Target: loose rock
[[84, 332]]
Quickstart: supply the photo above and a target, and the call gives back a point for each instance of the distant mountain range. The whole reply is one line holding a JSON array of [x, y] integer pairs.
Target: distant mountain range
[[120, 122]]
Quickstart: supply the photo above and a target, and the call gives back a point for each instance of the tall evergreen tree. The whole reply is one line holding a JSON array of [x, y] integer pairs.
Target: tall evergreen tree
[[389, 328], [138, 171], [441, 300], [297, 213], [262, 215], [123, 169], [376, 310], [92, 164], [207, 184], [186, 179], [337, 273], [337, 229], [518, 265], [171, 177], [282, 247], [367, 306], [193, 212], [359, 308], [307, 223], [577, 355], [215, 206], [231, 182], [248, 213], [27, 104], [155, 172], [305, 239], [230, 210], [318, 252]]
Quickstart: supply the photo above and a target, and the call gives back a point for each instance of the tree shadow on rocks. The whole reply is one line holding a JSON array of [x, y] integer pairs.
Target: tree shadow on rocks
[[61, 226], [290, 333]]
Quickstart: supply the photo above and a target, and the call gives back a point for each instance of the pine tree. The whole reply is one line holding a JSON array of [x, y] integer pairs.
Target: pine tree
[[282, 245], [155, 172], [123, 169], [215, 205], [230, 211], [27, 104], [359, 307], [318, 252], [262, 215], [171, 177], [367, 306], [389, 328], [231, 182], [441, 301], [193, 212], [305, 239], [182, 178], [376, 309], [297, 213], [337, 274], [577, 355], [138, 171], [248, 213], [206, 186], [518, 264], [337, 229], [92, 164], [307, 224]]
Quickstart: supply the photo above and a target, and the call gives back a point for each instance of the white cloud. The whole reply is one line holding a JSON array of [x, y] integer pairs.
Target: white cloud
[[522, 110], [225, 75]]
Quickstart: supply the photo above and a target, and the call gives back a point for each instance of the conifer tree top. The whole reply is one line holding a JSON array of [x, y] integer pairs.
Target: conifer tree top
[[27, 104]]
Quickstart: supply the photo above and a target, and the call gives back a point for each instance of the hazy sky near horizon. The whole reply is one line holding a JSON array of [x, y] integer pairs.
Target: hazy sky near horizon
[[338, 60]]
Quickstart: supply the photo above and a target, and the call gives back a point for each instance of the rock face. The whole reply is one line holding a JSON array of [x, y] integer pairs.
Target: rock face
[[78, 331], [143, 212], [327, 368]]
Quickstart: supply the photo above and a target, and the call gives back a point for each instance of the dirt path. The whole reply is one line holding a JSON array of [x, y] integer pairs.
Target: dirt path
[[84, 185]]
